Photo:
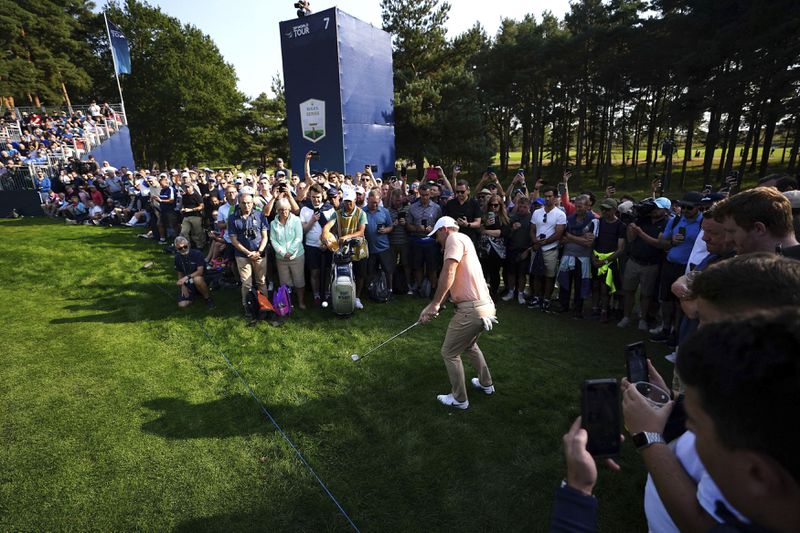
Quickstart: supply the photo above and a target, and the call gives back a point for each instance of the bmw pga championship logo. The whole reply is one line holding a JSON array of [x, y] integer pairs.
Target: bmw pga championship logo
[[312, 119]]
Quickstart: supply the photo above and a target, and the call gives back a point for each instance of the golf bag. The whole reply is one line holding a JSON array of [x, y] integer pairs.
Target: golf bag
[[343, 282]]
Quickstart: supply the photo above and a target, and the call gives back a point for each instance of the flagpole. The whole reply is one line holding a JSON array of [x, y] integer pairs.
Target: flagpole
[[116, 75]]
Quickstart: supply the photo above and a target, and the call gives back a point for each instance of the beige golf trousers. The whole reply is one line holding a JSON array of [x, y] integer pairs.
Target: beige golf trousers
[[462, 337]]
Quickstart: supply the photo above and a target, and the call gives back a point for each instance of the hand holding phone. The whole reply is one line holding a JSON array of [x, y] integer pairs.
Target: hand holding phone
[[636, 362], [600, 416]]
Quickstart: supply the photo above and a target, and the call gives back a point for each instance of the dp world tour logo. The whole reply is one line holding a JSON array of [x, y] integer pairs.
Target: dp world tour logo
[[312, 119]]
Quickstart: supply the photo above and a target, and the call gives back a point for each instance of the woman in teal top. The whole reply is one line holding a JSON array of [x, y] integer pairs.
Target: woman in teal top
[[286, 237]]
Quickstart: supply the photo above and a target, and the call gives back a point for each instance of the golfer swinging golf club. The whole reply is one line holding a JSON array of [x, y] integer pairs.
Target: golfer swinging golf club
[[463, 277]]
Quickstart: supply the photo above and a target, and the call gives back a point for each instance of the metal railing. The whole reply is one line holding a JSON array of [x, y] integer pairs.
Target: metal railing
[[18, 179]]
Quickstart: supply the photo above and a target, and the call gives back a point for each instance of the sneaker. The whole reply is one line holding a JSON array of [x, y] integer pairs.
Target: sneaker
[[359, 305], [507, 297], [247, 314], [546, 306], [71, 221], [534, 302], [162, 241], [317, 301], [447, 399], [656, 330], [269, 288], [643, 325], [660, 337], [624, 323], [672, 357], [521, 298], [210, 304], [410, 292], [487, 390]]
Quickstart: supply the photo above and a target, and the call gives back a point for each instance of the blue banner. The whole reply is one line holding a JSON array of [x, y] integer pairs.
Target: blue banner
[[120, 49]]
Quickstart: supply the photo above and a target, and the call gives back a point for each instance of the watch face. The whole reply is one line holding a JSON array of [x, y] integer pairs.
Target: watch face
[[639, 440]]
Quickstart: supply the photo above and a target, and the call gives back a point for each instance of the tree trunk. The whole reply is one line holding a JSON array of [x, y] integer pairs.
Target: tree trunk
[[754, 157], [526, 137], [651, 132], [769, 132], [787, 129], [795, 148], [636, 135], [711, 142], [733, 139], [580, 135], [688, 152], [748, 141], [725, 139]]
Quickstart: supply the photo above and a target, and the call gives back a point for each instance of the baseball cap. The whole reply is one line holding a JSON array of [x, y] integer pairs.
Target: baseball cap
[[173, 171], [280, 173], [484, 191], [332, 191], [794, 198], [608, 203], [691, 199], [539, 201], [712, 197], [359, 190], [444, 222], [247, 190], [162, 175], [240, 175], [238, 181], [185, 175], [349, 194], [662, 202], [207, 170]]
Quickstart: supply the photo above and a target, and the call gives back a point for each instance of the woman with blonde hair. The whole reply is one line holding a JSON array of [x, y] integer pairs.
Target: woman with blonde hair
[[491, 247]]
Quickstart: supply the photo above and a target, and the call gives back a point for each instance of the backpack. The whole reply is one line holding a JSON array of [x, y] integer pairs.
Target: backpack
[[258, 304], [282, 302], [378, 289]]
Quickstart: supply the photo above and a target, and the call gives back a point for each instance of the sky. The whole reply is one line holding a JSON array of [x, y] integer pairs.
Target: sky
[[246, 31]]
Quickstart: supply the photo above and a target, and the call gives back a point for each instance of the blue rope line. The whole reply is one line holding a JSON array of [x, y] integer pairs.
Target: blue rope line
[[266, 412]]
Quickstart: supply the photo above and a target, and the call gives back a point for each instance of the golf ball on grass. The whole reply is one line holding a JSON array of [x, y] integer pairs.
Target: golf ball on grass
[[355, 357], [324, 305]]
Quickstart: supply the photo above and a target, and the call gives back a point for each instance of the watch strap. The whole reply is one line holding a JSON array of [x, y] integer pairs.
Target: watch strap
[[647, 438]]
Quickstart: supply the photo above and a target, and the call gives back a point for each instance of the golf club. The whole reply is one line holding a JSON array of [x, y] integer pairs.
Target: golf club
[[355, 357]]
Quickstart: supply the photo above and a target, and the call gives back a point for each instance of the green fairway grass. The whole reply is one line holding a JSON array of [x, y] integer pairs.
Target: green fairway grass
[[119, 413]]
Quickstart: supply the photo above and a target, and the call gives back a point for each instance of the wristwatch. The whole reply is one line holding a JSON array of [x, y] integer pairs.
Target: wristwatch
[[647, 438]]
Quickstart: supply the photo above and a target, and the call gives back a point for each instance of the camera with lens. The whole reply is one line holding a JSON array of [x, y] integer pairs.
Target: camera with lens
[[639, 213], [314, 154], [250, 233]]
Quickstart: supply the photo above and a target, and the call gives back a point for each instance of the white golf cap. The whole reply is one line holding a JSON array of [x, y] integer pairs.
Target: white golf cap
[[247, 190], [349, 193], [444, 222]]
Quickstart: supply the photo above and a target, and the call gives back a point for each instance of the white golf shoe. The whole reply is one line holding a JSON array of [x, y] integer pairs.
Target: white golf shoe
[[447, 399]]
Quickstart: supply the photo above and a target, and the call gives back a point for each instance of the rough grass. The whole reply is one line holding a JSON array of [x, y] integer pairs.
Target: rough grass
[[118, 412]]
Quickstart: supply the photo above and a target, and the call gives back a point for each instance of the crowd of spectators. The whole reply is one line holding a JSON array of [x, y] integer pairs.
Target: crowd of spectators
[[45, 140], [703, 273]]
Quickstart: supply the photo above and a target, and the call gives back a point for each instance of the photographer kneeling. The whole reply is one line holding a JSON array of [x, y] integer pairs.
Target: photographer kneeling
[[190, 266]]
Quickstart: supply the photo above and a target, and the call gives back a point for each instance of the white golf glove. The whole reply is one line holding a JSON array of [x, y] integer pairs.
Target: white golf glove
[[488, 322]]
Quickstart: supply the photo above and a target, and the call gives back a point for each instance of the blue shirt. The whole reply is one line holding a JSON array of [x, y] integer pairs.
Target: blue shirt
[[247, 230], [43, 184], [189, 263], [680, 253], [168, 193], [377, 242]]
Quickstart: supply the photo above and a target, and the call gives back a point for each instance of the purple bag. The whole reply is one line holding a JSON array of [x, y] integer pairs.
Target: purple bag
[[282, 301]]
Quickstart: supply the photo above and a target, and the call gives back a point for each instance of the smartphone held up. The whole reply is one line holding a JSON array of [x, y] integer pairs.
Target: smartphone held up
[[600, 415]]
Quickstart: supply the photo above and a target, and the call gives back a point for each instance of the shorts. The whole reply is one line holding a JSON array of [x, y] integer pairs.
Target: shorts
[[425, 254], [384, 259], [550, 262], [640, 275], [670, 272], [316, 258], [514, 266], [169, 218], [192, 293]]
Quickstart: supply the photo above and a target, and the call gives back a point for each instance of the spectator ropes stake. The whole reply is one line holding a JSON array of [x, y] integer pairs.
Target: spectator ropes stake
[[272, 420]]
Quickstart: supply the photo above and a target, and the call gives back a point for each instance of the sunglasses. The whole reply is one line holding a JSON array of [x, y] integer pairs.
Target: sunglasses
[[494, 205], [184, 247], [544, 219], [461, 192]]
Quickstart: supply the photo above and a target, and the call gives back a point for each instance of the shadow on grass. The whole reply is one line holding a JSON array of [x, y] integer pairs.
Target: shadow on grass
[[232, 416], [141, 301]]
